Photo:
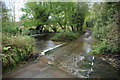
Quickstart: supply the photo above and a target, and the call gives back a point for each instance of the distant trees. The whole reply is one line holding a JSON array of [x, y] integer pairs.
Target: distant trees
[[8, 20], [80, 15], [56, 15], [5, 16]]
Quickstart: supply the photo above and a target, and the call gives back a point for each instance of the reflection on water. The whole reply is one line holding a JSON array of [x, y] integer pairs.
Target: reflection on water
[[76, 59], [87, 46], [50, 44], [46, 44]]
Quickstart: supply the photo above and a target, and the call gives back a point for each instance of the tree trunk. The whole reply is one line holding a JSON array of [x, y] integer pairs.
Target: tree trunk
[[73, 28], [54, 29], [60, 25], [40, 28]]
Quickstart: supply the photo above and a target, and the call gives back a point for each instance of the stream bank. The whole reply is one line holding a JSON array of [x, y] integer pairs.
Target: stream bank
[[75, 58], [70, 61], [112, 59]]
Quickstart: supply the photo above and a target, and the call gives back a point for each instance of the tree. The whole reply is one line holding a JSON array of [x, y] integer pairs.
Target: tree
[[36, 14], [66, 15], [106, 26], [8, 25], [5, 16], [80, 14]]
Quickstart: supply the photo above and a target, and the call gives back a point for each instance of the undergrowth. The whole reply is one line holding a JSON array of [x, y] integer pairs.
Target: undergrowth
[[15, 50], [65, 36]]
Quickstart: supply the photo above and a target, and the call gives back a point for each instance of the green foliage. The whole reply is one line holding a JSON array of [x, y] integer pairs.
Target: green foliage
[[100, 48], [25, 31], [65, 36], [104, 48], [10, 27], [6, 48], [7, 24], [5, 10], [79, 15], [106, 28], [36, 13], [15, 50], [89, 22], [55, 14]]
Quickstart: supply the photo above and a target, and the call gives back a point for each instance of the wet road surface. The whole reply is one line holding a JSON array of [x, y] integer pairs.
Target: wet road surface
[[40, 69]]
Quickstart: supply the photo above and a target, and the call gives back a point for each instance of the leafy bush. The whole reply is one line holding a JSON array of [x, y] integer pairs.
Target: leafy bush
[[109, 38], [106, 30], [25, 31], [10, 27], [89, 22], [65, 36], [104, 48], [16, 49], [100, 48]]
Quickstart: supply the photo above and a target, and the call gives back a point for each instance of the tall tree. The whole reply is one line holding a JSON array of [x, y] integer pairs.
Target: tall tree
[[80, 14], [66, 15]]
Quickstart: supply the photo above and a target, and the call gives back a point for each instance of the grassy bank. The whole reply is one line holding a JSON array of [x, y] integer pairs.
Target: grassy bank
[[65, 36], [16, 50], [106, 31]]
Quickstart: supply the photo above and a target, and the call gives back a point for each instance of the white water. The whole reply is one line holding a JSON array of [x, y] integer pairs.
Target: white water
[[43, 53]]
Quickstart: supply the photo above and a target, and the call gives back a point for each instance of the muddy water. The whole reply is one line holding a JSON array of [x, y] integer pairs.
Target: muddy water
[[75, 59]]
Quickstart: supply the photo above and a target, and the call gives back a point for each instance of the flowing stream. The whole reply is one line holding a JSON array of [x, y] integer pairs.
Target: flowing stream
[[75, 58], [65, 61]]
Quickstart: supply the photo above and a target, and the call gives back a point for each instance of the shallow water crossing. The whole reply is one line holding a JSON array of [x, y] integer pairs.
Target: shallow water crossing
[[69, 61], [75, 59]]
